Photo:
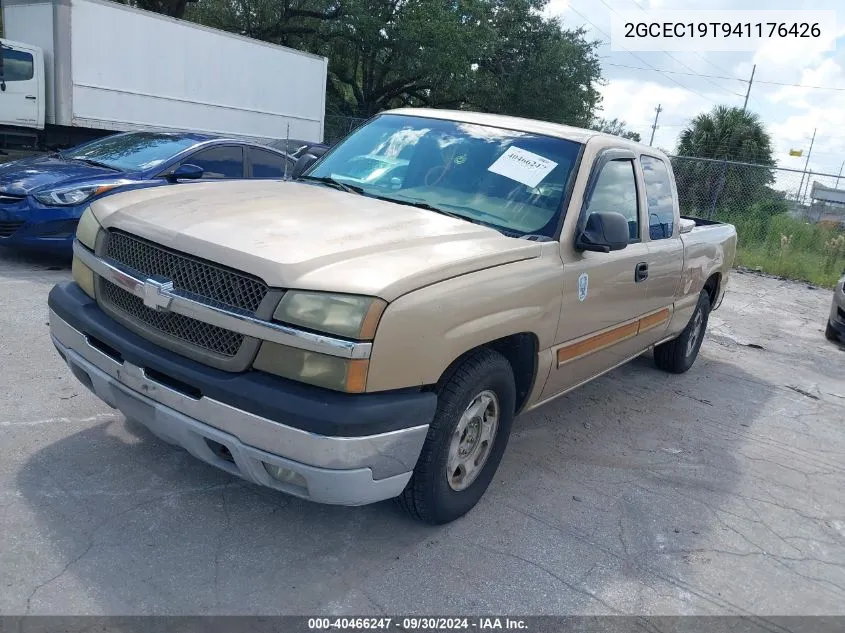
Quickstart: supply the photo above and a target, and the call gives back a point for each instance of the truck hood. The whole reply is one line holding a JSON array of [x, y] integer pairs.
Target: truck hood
[[28, 175], [296, 235]]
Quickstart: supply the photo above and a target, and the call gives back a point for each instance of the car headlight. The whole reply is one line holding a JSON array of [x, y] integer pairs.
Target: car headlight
[[350, 316], [322, 370], [76, 194], [87, 229]]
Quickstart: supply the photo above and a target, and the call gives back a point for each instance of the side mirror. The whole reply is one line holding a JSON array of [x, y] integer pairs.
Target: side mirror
[[302, 164], [605, 231], [687, 225], [185, 171]]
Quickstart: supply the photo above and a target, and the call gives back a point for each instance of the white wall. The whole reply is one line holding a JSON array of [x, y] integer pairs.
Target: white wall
[[135, 69]]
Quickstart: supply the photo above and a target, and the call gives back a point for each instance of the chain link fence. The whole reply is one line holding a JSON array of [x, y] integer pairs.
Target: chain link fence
[[337, 127], [789, 222]]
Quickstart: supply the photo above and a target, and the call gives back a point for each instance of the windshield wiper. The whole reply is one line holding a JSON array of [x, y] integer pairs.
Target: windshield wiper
[[95, 163], [429, 207], [328, 180]]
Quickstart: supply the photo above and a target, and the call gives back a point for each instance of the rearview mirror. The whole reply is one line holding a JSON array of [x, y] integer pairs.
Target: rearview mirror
[[605, 231], [302, 164], [185, 171]]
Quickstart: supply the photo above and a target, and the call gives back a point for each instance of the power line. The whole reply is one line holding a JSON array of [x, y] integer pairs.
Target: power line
[[677, 72], [756, 81], [736, 94], [635, 56]]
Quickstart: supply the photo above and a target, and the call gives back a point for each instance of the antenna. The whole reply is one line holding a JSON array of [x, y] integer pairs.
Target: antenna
[[287, 146]]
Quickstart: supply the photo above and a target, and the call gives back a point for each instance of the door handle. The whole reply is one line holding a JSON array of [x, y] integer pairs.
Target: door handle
[[31, 97], [641, 272]]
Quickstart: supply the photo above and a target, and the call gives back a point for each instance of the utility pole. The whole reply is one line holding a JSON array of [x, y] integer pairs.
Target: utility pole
[[657, 112], [806, 163], [748, 92]]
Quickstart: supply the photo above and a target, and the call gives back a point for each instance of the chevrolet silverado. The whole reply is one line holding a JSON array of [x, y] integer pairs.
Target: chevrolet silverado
[[370, 329]]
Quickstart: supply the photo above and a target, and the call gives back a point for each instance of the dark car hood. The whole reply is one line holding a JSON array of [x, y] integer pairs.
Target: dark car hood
[[30, 174]]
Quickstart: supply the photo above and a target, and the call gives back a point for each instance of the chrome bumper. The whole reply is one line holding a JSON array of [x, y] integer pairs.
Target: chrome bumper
[[337, 470]]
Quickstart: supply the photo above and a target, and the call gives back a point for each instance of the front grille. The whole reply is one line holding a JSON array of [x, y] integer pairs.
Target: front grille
[[10, 198], [208, 337], [7, 229], [206, 281]]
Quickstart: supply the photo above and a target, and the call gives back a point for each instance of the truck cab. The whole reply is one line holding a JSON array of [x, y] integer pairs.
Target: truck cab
[[22, 84]]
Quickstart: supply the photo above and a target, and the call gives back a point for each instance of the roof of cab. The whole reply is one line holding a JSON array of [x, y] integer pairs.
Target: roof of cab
[[576, 134]]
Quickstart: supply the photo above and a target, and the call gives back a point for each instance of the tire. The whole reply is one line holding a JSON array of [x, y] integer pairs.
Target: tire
[[433, 494], [830, 334], [678, 355]]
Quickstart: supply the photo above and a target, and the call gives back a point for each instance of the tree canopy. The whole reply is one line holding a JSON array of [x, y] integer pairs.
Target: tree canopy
[[724, 134], [501, 56], [727, 133], [615, 127]]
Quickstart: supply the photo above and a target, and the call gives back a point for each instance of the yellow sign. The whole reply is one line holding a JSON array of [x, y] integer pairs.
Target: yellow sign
[[796, 152]]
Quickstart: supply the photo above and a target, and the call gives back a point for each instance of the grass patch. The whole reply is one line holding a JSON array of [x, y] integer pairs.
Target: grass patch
[[783, 246]]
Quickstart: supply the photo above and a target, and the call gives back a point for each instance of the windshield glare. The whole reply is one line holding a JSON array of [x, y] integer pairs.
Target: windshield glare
[[513, 181], [136, 151]]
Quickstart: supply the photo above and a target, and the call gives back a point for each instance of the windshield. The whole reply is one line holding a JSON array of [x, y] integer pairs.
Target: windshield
[[513, 181], [135, 151]]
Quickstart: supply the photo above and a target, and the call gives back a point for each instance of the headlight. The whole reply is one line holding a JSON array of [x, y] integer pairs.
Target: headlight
[[87, 229], [83, 276], [322, 370], [77, 194], [350, 316]]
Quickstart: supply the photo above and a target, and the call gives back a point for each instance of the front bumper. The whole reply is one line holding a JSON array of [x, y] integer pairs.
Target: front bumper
[[170, 395], [26, 224]]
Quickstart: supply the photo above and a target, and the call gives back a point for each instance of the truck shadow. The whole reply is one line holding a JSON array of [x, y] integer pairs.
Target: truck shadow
[[600, 492]]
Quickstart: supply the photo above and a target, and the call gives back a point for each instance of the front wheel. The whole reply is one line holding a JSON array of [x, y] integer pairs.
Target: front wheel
[[678, 355], [466, 439], [830, 334]]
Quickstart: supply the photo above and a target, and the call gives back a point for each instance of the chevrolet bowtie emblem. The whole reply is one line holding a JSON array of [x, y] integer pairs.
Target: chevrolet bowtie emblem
[[155, 297]]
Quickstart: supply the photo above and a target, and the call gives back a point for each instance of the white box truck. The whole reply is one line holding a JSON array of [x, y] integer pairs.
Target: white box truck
[[78, 69]]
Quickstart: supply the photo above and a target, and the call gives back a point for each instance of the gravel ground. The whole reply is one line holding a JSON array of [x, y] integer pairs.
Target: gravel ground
[[716, 492]]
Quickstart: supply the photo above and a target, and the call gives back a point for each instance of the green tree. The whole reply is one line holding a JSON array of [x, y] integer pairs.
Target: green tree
[[498, 56], [722, 135], [615, 127], [533, 67]]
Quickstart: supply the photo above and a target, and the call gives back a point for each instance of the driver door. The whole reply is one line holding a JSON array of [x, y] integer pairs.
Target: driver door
[[603, 297], [21, 80]]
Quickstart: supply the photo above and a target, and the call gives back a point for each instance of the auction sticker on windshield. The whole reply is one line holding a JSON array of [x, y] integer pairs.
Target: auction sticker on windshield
[[522, 166]]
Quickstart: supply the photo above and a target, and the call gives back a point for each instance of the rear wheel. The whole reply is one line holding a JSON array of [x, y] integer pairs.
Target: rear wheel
[[678, 355], [466, 439]]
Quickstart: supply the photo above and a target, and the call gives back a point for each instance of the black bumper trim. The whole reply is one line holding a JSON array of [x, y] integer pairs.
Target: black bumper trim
[[295, 404]]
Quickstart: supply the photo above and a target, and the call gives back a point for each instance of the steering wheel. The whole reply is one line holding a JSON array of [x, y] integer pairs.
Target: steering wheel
[[437, 173]]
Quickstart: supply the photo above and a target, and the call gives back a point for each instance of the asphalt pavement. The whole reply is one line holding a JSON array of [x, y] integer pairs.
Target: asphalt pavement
[[720, 491]]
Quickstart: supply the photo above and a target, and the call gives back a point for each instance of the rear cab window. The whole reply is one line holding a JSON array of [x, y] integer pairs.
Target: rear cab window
[[661, 202]]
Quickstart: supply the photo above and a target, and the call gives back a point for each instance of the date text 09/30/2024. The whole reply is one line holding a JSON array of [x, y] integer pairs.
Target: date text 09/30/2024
[[417, 624]]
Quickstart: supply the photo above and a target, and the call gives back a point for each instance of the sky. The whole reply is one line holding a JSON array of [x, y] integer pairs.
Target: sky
[[789, 114]]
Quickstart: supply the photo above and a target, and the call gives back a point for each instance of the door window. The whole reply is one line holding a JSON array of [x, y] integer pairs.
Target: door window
[[661, 204], [219, 162], [266, 164], [616, 190], [16, 65]]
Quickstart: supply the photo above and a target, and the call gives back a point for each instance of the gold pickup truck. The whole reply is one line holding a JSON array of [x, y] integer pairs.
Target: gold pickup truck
[[370, 329]]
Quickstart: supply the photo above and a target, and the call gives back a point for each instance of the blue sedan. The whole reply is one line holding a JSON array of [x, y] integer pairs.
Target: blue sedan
[[42, 198]]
